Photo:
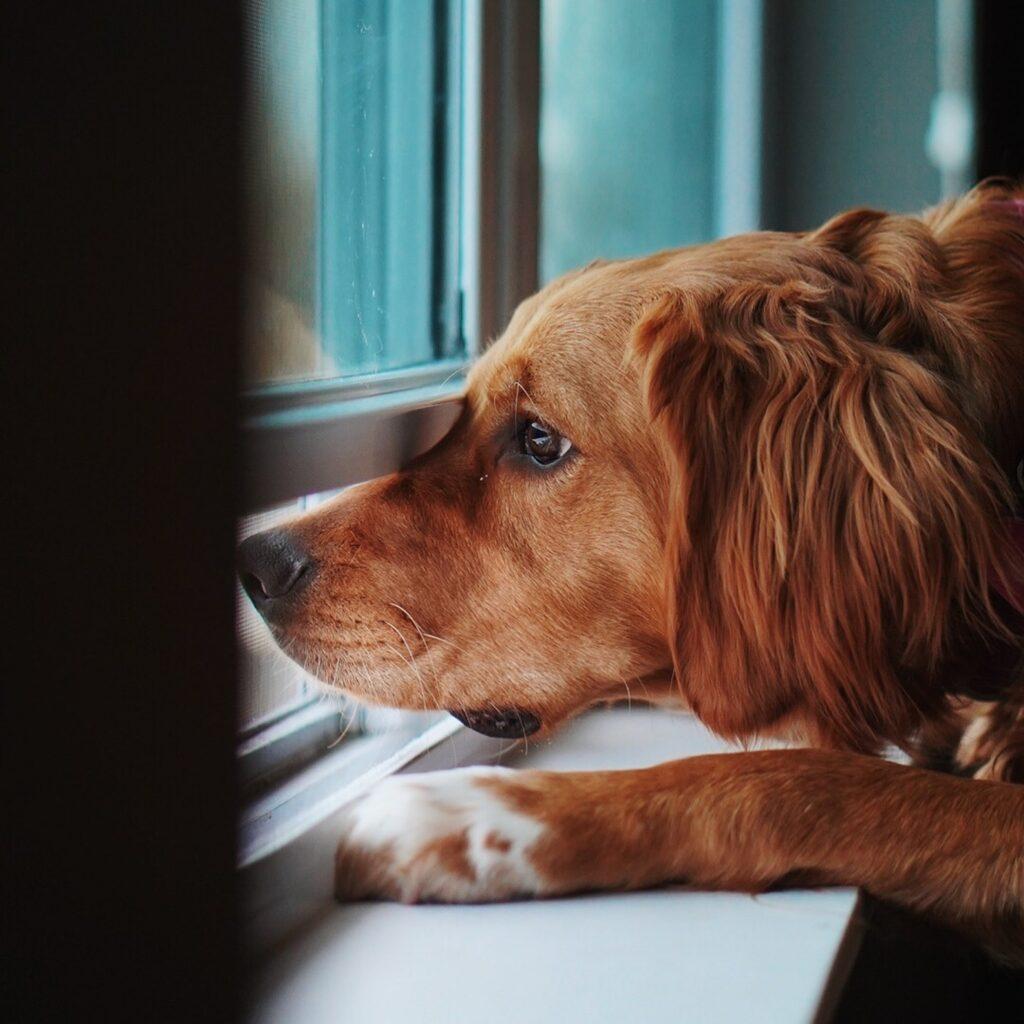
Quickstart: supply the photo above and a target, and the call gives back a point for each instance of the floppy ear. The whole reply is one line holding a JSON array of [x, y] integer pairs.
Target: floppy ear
[[833, 527]]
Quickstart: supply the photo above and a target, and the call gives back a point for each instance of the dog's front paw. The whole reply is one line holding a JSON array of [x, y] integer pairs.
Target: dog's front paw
[[444, 836]]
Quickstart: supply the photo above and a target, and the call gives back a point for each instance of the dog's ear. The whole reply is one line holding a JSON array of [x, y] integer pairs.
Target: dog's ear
[[830, 517]]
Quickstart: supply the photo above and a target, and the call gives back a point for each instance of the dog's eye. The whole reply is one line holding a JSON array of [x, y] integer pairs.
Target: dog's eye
[[544, 445]]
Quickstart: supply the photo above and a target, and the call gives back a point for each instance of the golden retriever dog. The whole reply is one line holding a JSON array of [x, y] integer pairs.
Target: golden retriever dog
[[771, 478]]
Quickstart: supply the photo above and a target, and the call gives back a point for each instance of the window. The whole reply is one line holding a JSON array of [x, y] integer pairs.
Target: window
[[628, 129], [354, 156], [355, 309], [417, 167], [706, 118]]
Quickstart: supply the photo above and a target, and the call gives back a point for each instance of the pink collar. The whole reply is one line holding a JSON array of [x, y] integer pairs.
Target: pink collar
[[1016, 204]]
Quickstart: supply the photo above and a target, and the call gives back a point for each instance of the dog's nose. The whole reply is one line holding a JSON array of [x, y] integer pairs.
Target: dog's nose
[[273, 566]]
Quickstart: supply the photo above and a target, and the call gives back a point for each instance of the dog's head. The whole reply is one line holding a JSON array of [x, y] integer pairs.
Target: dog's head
[[726, 465], [513, 573]]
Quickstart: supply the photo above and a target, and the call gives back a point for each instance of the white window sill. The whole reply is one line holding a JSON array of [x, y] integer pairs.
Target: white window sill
[[297, 805], [666, 955]]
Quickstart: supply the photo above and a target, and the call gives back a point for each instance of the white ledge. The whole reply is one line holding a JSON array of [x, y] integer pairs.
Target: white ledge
[[666, 955]]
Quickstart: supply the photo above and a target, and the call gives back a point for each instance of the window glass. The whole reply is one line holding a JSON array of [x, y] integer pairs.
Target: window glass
[[853, 93], [627, 143], [352, 173], [352, 141], [272, 683]]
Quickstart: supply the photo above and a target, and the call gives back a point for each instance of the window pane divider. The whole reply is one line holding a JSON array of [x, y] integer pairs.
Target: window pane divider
[[297, 736], [320, 436]]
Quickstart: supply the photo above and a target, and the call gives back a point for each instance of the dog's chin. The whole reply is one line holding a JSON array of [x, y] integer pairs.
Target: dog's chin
[[339, 672], [504, 723], [513, 723]]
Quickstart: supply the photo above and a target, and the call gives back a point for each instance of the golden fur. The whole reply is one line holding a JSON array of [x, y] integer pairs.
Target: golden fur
[[785, 505]]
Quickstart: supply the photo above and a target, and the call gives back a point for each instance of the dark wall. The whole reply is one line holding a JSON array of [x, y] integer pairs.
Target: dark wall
[[1000, 84], [849, 87], [120, 419]]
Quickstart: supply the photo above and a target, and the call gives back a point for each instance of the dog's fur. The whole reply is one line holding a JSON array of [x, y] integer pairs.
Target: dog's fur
[[785, 506]]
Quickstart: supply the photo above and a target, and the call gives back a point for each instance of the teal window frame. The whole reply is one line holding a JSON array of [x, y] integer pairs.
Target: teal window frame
[[390, 144]]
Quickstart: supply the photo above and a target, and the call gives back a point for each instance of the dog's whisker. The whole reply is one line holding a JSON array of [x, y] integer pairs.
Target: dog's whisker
[[515, 403], [443, 640], [425, 693], [407, 661], [433, 671], [416, 625], [343, 734], [461, 368]]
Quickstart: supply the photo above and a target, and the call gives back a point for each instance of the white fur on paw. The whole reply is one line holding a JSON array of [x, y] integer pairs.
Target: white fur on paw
[[438, 836]]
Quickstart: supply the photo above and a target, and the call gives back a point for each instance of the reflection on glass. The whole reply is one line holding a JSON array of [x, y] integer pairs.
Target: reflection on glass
[[627, 128], [352, 174], [271, 683]]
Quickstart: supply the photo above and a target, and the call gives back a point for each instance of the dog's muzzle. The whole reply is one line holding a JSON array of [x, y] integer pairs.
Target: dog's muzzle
[[508, 723]]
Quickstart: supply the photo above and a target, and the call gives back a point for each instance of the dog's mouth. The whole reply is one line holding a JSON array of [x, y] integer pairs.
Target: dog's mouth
[[506, 723]]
